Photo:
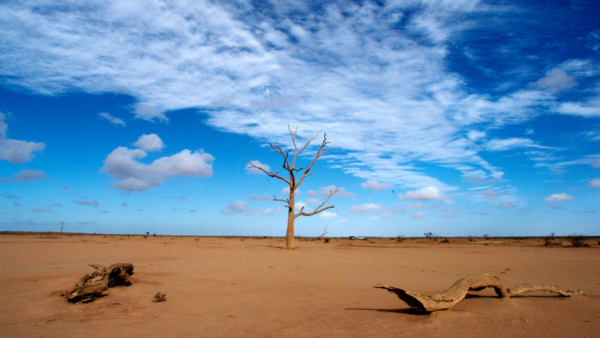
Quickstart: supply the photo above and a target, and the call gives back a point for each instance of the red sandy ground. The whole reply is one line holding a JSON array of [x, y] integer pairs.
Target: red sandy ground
[[229, 287]]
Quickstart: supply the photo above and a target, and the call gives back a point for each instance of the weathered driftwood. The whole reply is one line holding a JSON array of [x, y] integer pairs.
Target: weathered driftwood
[[93, 284], [458, 291]]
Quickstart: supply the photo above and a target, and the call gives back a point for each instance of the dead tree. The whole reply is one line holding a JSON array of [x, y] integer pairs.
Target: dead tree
[[289, 166]]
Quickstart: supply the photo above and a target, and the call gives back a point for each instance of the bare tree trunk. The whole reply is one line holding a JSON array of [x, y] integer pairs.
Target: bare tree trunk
[[289, 238]]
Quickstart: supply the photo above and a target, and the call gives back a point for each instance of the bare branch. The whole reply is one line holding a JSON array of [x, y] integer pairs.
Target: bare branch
[[331, 193], [324, 232], [319, 154], [271, 174]]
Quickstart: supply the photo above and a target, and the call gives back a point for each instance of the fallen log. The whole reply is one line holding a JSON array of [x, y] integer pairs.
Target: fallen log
[[92, 285], [458, 291]]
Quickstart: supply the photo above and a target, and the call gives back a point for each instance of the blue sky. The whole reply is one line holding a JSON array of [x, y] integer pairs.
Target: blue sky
[[455, 117]]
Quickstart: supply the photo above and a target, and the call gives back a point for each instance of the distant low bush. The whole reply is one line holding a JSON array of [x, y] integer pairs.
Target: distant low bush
[[445, 240], [326, 239], [577, 241], [400, 239]]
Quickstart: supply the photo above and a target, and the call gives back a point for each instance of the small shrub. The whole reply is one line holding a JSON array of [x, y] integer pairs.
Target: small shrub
[[145, 236], [400, 239], [159, 297], [577, 241], [471, 239], [326, 239], [445, 240]]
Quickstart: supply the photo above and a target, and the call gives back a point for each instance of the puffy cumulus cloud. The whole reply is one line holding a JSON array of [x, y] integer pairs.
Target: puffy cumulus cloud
[[93, 203], [325, 191], [286, 191], [562, 197], [418, 215], [511, 143], [241, 207], [328, 215], [238, 207], [112, 119], [313, 201], [490, 194], [254, 171], [122, 164], [425, 194], [485, 213], [381, 210], [24, 176], [149, 142], [15, 151], [375, 185], [312, 193], [449, 201], [298, 206], [555, 81], [506, 205], [594, 184]]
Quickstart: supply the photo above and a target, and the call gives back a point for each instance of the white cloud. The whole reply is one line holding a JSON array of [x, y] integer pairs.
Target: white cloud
[[584, 211], [325, 191], [254, 74], [425, 194], [263, 198], [418, 215], [562, 197], [506, 205], [485, 213], [475, 135], [241, 207], [299, 205], [449, 201], [93, 203], [446, 215], [238, 207], [328, 215], [451, 210], [383, 211], [511, 143], [15, 151], [149, 142], [122, 164], [596, 163], [25, 175], [312, 193], [254, 171], [313, 201], [556, 207], [556, 80], [112, 119], [375, 185], [416, 206], [489, 194], [594, 184]]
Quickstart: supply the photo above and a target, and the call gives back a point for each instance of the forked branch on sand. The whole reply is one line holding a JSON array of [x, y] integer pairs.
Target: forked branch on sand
[[458, 291]]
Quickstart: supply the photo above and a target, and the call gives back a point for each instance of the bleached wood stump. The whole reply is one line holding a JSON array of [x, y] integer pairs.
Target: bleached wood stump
[[92, 285]]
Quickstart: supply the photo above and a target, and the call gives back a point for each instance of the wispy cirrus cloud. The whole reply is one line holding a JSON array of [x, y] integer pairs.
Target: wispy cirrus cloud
[[254, 71]]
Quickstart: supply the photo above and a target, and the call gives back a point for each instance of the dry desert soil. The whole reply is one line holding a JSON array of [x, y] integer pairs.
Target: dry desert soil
[[251, 287]]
